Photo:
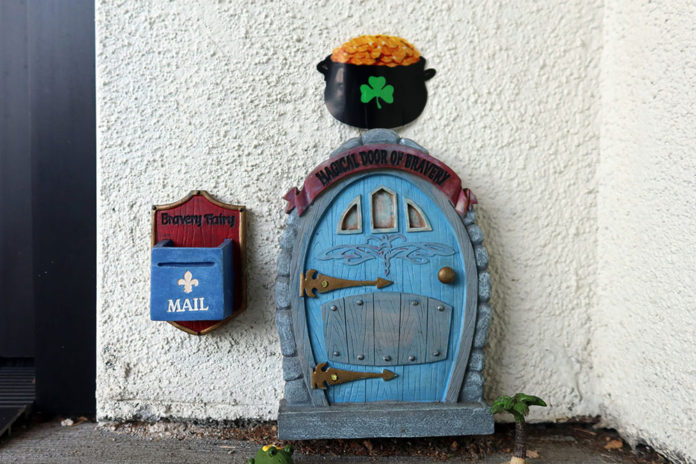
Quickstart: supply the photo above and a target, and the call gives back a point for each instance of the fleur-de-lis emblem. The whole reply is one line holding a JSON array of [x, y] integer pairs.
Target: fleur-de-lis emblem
[[188, 282]]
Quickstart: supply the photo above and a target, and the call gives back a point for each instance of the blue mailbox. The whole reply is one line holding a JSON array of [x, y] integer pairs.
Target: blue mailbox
[[191, 283]]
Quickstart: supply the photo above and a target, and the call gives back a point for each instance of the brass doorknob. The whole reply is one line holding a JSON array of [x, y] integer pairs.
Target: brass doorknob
[[446, 275]]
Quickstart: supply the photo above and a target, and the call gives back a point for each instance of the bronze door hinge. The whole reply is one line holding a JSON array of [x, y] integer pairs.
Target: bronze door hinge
[[323, 377], [314, 281]]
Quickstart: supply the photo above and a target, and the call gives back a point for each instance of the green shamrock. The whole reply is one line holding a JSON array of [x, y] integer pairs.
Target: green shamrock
[[377, 89]]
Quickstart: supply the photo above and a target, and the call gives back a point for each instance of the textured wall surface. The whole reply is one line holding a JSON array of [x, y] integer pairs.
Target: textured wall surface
[[224, 96], [644, 352]]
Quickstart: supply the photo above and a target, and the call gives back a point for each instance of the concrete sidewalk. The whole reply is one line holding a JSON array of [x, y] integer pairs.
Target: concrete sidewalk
[[49, 443]]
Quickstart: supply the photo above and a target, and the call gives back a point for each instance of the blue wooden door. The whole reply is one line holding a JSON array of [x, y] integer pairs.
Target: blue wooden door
[[384, 226]]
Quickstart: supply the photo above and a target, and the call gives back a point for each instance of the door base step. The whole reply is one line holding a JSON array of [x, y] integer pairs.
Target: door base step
[[383, 420]]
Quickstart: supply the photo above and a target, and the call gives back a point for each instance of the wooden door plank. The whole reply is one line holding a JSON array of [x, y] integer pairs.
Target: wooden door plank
[[413, 329], [387, 308], [334, 321], [439, 323], [361, 331]]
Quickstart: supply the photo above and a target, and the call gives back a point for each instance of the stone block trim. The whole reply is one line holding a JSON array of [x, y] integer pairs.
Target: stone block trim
[[484, 286], [287, 240], [472, 391], [282, 292], [284, 265], [481, 257], [287, 338], [476, 361], [347, 145], [380, 136], [412, 144], [292, 369], [296, 389], [483, 320], [469, 217], [296, 392], [475, 234]]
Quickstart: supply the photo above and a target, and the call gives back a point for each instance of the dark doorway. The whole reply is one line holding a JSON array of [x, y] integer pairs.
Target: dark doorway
[[48, 199]]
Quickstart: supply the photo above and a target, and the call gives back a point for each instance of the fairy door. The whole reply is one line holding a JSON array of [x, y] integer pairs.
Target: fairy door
[[385, 291]]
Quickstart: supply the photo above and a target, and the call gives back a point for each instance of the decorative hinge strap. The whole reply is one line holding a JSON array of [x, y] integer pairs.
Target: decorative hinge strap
[[322, 377], [313, 282]]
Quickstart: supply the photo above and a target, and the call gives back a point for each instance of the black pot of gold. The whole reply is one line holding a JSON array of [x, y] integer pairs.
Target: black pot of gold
[[375, 81]]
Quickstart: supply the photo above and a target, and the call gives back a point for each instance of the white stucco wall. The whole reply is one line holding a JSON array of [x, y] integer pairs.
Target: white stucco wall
[[644, 350], [224, 96]]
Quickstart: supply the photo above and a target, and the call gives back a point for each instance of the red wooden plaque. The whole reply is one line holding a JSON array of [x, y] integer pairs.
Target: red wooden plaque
[[199, 220]]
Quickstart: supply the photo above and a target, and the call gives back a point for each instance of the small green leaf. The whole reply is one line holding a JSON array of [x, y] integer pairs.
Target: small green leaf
[[517, 405], [366, 93], [388, 94], [530, 399], [497, 408], [521, 408], [377, 82]]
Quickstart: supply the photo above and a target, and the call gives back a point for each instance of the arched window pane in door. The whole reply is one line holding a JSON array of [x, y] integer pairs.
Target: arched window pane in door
[[351, 219], [383, 210], [416, 220]]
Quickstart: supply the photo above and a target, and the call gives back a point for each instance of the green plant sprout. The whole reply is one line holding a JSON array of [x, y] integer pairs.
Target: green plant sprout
[[377, 89], [518, 406]]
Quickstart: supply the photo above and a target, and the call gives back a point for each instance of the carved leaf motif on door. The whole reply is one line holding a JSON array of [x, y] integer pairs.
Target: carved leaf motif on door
[[384, 249]]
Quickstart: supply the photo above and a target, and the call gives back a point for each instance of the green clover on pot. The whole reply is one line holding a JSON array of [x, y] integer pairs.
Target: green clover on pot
[[377, 89]]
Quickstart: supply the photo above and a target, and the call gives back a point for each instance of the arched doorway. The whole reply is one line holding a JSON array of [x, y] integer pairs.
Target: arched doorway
[[380, 339]]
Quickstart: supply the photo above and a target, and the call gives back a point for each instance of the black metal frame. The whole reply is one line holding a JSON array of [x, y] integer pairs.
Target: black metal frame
[[54, 142]]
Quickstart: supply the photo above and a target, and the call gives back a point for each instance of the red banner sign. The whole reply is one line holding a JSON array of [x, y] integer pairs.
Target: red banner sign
[[380, 156]]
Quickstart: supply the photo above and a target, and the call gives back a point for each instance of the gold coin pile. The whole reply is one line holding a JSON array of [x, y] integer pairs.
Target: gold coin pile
[[380, 50]]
